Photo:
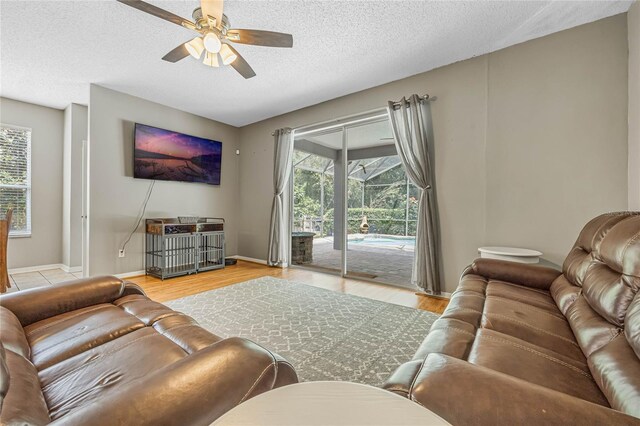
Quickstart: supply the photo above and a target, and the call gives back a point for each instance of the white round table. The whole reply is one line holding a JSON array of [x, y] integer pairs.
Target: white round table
[[326, 404], [512, 254]]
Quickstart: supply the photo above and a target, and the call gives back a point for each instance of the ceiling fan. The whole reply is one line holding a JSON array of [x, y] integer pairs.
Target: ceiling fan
[[214, 36]]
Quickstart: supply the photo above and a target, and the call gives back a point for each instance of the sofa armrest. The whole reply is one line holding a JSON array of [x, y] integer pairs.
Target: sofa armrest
[[193, 391], [132, 288], [464, 393], [401, 380], [44, 302], [528, 275]]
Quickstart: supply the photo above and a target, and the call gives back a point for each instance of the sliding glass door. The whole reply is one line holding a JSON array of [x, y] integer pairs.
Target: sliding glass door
[[317, 201], [354, 210], [381, 207]]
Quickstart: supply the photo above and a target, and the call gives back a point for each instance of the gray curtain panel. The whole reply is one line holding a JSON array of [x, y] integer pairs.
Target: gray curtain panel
[[279, 229], [413, 134]]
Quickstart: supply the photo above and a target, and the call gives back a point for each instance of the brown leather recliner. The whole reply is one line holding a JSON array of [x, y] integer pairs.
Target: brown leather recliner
[[524, 344], [98, 351]]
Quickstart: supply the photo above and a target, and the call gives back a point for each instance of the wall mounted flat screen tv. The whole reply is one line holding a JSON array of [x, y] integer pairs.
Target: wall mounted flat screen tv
[[165, 155]]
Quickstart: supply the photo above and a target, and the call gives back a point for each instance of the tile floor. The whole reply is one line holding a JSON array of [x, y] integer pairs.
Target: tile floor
[[28, 280]]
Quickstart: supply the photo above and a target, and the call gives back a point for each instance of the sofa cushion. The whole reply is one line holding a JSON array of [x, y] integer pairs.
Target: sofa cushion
[[62, 336], [577, 261], [534, 364], [448, 336], [591, 330], [564, 293], [195, 390], [616, 369], [620, 249], [467, 302], [609, 292], [466, 394], [632, 325], [504, 307], [144, 309], [529, 296], [86, 354], [185, 332], [532, 324], [94, 374], [616, 364], [613, 277]]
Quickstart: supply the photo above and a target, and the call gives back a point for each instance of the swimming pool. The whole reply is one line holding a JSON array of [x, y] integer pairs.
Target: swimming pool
[[383, 241]]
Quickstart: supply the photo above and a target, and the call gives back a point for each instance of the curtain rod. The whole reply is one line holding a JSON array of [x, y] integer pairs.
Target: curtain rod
[[286, 130], [337, 121], [382, 110], [422, 98]]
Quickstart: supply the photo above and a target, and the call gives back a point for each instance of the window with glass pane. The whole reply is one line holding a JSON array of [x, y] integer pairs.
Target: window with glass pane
[[15, 177]]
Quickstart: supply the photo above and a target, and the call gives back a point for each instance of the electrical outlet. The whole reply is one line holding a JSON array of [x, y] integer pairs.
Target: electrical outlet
[[121, 253]]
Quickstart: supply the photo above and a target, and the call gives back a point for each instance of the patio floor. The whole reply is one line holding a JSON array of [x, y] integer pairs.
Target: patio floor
[[389, 265]]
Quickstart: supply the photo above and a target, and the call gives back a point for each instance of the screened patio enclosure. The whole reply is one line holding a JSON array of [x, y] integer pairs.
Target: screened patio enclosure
[[378, 188], [371, 194]]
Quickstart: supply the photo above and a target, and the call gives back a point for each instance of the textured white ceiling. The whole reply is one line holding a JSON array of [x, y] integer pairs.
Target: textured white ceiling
[[51, 50]]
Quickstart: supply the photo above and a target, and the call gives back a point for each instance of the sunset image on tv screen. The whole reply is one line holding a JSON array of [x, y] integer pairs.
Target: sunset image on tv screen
[[166, 155]]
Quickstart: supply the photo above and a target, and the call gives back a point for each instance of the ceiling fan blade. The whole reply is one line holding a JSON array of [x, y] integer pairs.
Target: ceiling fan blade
[[241, 65], [260, 38], [160, 13], [176, 54], [212, 8]]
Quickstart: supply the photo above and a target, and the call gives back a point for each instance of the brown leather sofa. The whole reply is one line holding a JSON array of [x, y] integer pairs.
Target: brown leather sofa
[[525, 344], [98, 351]]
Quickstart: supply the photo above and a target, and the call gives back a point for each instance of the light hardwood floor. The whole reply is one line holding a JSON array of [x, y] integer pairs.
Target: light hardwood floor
[[176, 288]]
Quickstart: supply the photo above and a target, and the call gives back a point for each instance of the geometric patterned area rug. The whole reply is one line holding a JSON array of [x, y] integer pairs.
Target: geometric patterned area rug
[[326, 335]]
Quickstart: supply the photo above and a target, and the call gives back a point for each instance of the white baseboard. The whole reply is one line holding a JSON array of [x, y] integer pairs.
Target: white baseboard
[[67, 269], [129, 274], [39, 268], [36, 268], [249, 259]]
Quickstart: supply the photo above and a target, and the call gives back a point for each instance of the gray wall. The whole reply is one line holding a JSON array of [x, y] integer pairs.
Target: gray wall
[[530, 142], [633, 25], [75, 131], [47, 124], [556, 136], [116, 197]]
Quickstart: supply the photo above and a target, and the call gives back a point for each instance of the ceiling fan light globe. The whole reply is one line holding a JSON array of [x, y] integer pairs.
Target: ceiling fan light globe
[[211, 59], [227, 55], [212, 43], [195, 47]]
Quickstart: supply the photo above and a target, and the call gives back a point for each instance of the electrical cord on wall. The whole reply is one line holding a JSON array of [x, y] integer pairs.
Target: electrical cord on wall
[[139, 219]]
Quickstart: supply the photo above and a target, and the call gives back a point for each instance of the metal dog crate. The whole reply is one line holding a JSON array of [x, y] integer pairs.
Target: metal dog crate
[[174, 248], [210, 250]]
